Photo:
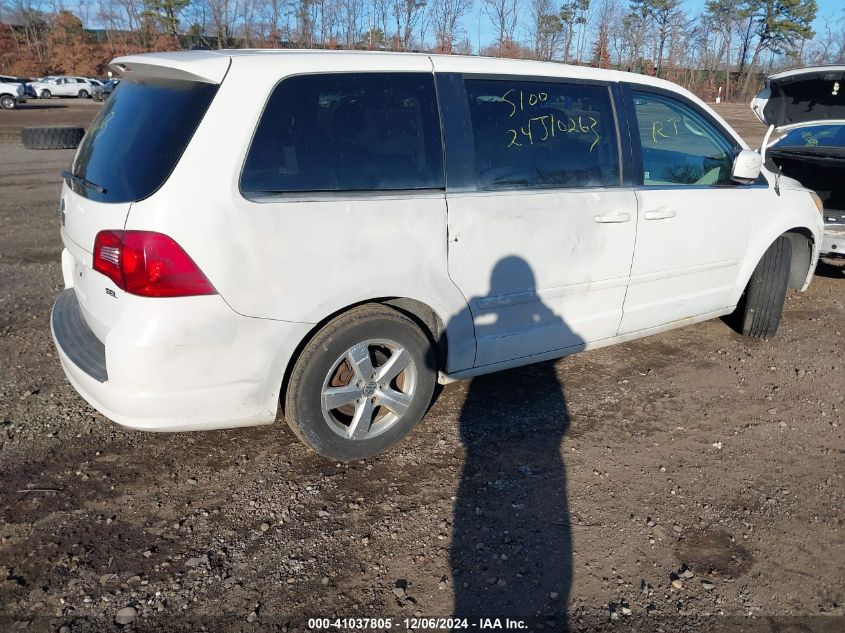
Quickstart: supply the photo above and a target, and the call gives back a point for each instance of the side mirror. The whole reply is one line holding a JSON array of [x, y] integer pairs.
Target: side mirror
[[746, 168]]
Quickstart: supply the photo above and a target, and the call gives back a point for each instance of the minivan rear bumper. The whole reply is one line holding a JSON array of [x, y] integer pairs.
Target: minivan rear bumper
[[183, 364], [75, 339]]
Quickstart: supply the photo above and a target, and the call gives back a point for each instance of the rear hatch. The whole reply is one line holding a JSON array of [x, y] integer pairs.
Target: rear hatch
[[804, 96], [806, 108], [127, 153]]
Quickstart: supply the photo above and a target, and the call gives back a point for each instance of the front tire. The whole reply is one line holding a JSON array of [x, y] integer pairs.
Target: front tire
[[8, 103], [45, 94], [361, 384], [762, 306]]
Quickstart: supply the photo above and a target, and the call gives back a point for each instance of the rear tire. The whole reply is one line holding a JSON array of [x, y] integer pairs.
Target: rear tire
[[52, 137], [354, 362], [8, 102], [762, 306], [83, 94]]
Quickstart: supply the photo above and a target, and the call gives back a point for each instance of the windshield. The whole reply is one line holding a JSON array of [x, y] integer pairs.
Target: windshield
[[137, 138], [815, 136]]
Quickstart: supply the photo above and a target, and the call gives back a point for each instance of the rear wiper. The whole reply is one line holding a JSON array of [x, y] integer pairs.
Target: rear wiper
[[82, 181]]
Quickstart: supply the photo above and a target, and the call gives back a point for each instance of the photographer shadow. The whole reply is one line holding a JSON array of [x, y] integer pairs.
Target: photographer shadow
[[511, 553]]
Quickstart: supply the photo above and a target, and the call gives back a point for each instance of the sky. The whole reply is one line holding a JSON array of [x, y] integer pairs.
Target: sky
[[479, 26], [829, 10]]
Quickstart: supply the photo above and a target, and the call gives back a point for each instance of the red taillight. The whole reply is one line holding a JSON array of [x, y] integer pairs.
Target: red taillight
[[148, 264]]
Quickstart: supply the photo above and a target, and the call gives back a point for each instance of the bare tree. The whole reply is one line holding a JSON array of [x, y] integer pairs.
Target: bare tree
[[408, 14], [445, 15], [503, 15], [30, 14], [665, 15], [726, 18], [636, 27], [351, 17], [272, 13], [829, 47], [583, 13]]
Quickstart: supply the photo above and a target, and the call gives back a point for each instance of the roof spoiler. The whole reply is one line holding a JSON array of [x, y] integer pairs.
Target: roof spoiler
[[204, 66]]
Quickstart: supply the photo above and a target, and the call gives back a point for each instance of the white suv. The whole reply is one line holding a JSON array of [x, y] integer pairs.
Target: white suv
[[11, 93], [63, 87], [371, 223]]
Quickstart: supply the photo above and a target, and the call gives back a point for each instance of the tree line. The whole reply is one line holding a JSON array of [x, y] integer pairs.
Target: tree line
[[727, 45]]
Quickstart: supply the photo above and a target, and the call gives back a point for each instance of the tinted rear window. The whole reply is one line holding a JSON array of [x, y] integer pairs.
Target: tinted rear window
[[347, 132], [815, 136], [139, 135]]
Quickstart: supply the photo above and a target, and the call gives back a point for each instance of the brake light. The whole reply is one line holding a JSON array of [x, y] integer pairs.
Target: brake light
[[148, 264]]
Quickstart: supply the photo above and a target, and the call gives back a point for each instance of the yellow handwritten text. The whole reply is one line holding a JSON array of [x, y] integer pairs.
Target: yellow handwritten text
[[519, 98], [543, 128], [659, 129]]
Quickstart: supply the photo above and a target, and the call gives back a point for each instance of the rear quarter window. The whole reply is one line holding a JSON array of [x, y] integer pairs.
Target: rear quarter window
[[138, 137], [347, 132]]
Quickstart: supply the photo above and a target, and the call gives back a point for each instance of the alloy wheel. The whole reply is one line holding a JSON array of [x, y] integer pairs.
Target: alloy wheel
[[368, 389]]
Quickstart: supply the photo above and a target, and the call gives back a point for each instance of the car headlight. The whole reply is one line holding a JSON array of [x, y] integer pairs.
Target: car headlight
[[818, 201]]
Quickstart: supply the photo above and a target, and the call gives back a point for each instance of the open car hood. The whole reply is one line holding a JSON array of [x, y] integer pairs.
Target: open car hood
[[804, 96]]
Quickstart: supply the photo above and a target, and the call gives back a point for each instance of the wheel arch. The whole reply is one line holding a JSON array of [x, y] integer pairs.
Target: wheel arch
[[803, 244], [425, 317], [804, 253]]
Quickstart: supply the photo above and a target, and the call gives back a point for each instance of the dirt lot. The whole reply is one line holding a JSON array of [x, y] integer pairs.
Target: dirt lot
[[682, 482]]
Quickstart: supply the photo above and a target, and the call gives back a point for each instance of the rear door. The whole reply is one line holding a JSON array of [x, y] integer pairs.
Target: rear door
[[59, 88], [541, 224], [694, 223]]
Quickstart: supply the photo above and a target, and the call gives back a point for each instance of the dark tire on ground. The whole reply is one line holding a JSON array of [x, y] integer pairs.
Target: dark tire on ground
[[45, 94], [762, 305], [8, 102], [83, 94], [52, 137], [315, 365]]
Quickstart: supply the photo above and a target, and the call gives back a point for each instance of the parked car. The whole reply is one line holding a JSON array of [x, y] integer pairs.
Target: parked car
[[807, 106], [28, 91], [373, 223], [103, 91], [63, 87], [11, 93]]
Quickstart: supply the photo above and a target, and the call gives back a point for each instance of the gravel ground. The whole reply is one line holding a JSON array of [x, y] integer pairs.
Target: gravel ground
[[687, 481]]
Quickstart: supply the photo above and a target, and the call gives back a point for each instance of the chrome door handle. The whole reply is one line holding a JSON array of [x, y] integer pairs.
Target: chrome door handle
[[660, 214], [615, 217]]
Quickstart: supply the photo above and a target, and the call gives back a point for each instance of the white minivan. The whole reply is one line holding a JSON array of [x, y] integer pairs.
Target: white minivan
[[335, 232]]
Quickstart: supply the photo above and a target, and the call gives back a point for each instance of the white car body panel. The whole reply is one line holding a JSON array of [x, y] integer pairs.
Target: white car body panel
[[283, 265], [578, 267], [686, 262]]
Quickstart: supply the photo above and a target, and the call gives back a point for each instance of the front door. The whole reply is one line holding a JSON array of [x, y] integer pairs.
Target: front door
[[694, 223], [541, 242]]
